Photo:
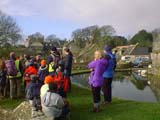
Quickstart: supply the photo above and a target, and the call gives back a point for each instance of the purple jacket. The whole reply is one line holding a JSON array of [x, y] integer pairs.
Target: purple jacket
[[96, 76]]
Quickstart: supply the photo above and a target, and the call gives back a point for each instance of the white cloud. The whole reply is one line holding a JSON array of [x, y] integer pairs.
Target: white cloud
[[127, 16]]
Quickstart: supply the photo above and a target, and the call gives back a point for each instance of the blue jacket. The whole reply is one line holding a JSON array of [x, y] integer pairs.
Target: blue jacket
[[109, 72]]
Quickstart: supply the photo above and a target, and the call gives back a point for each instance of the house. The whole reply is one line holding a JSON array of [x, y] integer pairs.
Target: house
[[121, 50], [36, 45], [131, 52], [138, 52]]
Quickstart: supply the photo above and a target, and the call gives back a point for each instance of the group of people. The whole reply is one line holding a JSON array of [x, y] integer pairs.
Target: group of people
[[46, 81], [101, 76]]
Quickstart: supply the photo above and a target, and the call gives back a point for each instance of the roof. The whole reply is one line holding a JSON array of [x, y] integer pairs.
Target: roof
[[37, 44], [123, 47], [140, 51]]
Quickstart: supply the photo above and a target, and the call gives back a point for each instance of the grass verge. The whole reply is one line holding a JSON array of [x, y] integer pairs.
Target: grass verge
[[81, 108]]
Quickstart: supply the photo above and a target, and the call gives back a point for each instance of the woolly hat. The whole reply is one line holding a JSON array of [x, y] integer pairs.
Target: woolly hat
[[48, 79], [43, 62], [107, 48], [54, 49]]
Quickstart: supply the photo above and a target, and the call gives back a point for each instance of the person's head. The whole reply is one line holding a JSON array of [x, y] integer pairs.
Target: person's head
[[53, 50], [43, 63], [66, 50], [107, 49], [38, 57], [27, 57], [21, 57], [12, 55], [48, 79], [53, 87], [34, 78], [97, 54]]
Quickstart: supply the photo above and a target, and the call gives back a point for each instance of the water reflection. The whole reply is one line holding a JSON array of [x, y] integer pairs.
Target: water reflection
[[129, 86]]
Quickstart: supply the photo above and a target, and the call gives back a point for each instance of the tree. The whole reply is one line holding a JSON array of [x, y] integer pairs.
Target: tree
[[36, 37], [92, 34], [119, 40], [54, 40], [9, 30], [107, 30], [144, 39]]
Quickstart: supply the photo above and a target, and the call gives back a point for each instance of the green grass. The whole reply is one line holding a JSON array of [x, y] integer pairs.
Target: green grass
[[7, 103], [81, 108]]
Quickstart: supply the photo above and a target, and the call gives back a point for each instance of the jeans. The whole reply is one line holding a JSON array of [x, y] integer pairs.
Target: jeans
[[15, 87], [107, 89]]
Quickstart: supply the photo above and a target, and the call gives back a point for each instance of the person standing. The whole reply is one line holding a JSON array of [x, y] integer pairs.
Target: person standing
[[97, 66], [52, 61], [43, 72], [108, 75], [68, 65], [14, 73]]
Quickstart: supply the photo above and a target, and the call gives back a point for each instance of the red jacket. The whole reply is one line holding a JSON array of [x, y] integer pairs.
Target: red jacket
[[30, 71], [61, 80]]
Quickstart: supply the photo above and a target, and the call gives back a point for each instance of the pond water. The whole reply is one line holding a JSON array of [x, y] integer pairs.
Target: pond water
[[128, 86]]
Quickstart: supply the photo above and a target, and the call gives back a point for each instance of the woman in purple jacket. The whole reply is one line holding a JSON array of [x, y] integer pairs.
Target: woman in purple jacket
[[98, 67]]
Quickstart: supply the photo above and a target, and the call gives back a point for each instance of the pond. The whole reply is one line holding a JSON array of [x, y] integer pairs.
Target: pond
[[128, 86]]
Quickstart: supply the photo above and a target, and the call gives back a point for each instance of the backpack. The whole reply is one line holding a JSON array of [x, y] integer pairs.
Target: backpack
[[33, 91], [11, 68], [56, 59], [2, 78]]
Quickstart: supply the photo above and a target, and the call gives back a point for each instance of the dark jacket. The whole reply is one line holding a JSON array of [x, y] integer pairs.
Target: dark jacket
[[42, 73], [68, 64]]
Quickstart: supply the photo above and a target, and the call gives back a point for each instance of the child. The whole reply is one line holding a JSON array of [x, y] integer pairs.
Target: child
[[33, 93], [43, 72], [30, 70], [61, 80], [53, 105]]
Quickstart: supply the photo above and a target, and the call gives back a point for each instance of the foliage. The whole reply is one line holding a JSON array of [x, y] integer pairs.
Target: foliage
[[36, 37], [93, 34], [144, 39], [9, 30]]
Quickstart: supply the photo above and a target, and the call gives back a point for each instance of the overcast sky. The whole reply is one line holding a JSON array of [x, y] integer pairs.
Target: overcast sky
[[61, 17]]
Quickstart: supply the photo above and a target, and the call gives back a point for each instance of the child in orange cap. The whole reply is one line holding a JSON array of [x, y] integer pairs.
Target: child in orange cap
[[45, 87], [43, 72]]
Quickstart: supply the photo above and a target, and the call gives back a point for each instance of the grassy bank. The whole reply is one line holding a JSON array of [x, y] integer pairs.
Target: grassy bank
[[81, 108], [7, 103]]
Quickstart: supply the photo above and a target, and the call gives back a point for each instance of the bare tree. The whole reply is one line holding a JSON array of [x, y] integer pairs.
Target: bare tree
[[9, 30]]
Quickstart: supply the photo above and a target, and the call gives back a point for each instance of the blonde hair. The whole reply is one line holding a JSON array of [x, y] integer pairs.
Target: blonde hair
[[97, 54]]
